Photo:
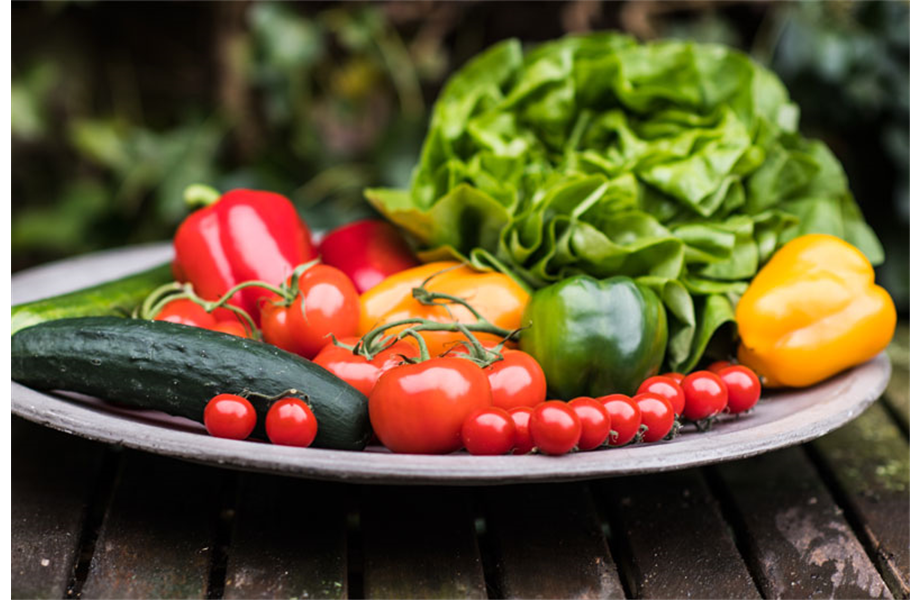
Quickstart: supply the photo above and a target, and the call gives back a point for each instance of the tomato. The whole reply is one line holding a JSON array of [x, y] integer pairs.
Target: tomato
[[356, 370], [229, 416], [625, 418], [743, 388], [232, 328], [290, 422], [706, 396], [523, 441], [420, 408], [678, 377], [186, 312], [718, 366], [555, 427], [595, 422], [327, 303], [667, 387], [657, 415], [490, 431], [516, 380]]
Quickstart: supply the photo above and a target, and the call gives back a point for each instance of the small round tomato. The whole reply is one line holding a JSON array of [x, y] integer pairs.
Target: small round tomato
[[678, 377], [326, 304], [523, 441], [290, 422], [420, 408], [705, 394], [667, 387], [229, 416], [743, 387], [657, 415], [718, 366], [490, 431], [595, 422], [516, 380], [232, 328], [625, 418], [356, 370], [555, 427], [186, 312]]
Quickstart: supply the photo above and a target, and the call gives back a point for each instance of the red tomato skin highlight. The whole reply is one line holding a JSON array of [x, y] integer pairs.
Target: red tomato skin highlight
[[291, 422], [516, 380], [657, 415], [555, 427], [229, 416], [705, 394], [625, 418], [523, 441], [743, 387], [667, 387], [420, 408], [488, 432], [595, 422]]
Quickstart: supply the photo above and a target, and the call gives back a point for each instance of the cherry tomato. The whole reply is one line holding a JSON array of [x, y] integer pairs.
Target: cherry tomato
[[326, 304], [489, 431], [625, 418], [516, 380], [232, 328], [555, 427], [705, 394], [667, 387], [229, 416], [718, 366], [420, 408], [186, 312], [678, 377], [290, 422], [595, 422], [743, 388], [657, 415], [361, 373], [523, 441]]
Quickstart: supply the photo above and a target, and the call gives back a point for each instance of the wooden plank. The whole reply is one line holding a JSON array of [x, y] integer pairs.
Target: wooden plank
[[548, 542], [898, 393], [672, 539], [288, 540], [420, 542], [797, 539], [155, 540], [53, 477], [868, 463]]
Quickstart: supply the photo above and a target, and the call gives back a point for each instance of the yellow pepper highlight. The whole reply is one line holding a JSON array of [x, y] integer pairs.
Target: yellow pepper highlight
[[496, 296], [813, 311]]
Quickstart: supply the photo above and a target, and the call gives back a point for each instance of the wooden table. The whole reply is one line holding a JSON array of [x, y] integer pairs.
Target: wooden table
[[828, 519]]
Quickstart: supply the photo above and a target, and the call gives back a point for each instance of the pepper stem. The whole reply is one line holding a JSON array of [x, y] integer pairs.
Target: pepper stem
[[199, 195]]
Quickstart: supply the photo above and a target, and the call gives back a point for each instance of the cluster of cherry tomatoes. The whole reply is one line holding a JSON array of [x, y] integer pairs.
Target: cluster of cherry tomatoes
[[289, 421]]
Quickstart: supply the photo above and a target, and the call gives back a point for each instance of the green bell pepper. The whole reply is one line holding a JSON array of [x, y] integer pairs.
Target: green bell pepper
[[595, 337]]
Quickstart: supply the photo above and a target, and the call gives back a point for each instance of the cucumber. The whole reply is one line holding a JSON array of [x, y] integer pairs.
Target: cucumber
[[177, 369], [115, 298]]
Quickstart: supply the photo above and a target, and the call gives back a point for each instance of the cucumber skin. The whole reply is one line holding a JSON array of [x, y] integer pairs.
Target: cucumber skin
[[115, 298], [177, 369]]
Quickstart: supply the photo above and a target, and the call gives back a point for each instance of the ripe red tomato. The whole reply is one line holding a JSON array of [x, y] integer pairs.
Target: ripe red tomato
[[657, 415], [232, 328], [678, 377], [667, 387], [625, 418], [326, 304], [523, 441], [420, 408], [705, 394], [186, 312], [743, 387], [517, 380], [229, 416], [555, 427], [595, 422], [489, 431], [290, 422], [718, 366], [358, 371]]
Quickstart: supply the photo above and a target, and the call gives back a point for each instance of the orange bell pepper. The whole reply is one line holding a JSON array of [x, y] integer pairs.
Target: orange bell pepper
[[496, 296], [813, 311]]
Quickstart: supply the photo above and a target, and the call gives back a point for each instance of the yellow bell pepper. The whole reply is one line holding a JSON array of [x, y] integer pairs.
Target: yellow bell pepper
[[496, 296], [811, 312]]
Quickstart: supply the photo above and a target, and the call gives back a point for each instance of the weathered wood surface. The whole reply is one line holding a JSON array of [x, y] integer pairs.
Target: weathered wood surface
[[673, 540], [548, 542], [155, 541], [420, 543], [796, 539], [897, 396], [53, 480], [288, 540], [868, 466]]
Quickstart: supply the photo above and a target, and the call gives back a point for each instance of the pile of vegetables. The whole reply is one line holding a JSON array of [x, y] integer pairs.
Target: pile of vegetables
[[589, 215]]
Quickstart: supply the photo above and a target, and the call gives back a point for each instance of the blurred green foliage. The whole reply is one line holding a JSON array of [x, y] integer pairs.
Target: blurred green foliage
[[117, 107]]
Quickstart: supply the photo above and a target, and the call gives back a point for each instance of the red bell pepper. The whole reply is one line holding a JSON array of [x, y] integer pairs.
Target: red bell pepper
[[367, 251], [243, 235]]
